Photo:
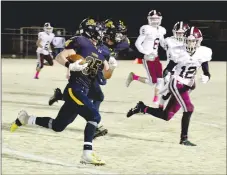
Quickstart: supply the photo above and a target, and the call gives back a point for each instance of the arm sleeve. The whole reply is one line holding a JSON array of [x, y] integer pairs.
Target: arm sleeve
[[169, 67], [205, 68]]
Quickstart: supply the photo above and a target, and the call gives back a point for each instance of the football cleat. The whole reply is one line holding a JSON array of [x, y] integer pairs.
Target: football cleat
[[100, 132], [187, 143], [57, 96], [22, 119], [129, 79], [92, 158], [139, 108]]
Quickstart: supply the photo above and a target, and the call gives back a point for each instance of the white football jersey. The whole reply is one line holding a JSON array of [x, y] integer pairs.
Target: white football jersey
[[149, 39], [45, 42], [59, 42], [169, 43], [187, 65]]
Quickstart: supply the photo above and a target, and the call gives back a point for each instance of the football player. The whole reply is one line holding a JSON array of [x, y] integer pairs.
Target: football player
[[186, 59], [115, 37], [147, 43], [44, 50], [75, 93], [95, 93]]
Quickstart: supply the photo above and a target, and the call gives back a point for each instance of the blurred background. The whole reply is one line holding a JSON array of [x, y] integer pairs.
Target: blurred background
[[21, 21]]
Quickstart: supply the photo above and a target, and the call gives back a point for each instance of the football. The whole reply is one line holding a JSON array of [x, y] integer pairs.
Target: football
[[75, 57]]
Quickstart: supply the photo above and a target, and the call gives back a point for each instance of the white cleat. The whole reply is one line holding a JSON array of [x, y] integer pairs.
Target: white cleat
[[91, 158], [22, 117], [129, 79]]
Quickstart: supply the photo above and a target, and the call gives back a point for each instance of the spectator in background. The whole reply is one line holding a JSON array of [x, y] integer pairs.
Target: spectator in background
[[59, 43]]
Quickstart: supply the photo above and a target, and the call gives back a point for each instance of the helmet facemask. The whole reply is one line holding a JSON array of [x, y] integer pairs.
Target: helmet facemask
[[191, 44], [154, 20], [179, 35], [119, 37], [48, 30]]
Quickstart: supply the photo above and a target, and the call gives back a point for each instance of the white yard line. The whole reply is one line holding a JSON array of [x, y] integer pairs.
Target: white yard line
[[29, 156]]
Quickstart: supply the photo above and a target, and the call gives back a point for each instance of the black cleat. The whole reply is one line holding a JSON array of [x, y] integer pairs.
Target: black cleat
[[57, 96], [187, 143], [100, 132], [138, 109]]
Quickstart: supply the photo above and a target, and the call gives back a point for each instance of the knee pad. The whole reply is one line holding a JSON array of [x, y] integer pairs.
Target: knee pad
[[95, 118]]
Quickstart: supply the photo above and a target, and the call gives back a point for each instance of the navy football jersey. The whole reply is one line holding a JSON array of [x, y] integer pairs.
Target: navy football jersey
[[84, 47]]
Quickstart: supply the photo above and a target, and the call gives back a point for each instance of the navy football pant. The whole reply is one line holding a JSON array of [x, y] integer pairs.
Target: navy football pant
[[76, 102]]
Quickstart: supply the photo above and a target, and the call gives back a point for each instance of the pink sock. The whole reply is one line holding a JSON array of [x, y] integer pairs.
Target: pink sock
[[155, 99], [145, 110], [135, 77], [37, 74]]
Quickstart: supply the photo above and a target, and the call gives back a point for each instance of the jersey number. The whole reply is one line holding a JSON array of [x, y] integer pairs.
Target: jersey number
[[46, 47], [156, 44], [93, 66], [189, 72]]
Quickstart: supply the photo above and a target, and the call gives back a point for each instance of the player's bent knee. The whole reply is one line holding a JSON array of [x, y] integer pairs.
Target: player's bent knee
[[58, 127], [190, 108], [97, 119]]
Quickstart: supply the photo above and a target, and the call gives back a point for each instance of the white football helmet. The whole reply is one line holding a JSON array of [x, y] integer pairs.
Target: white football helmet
[[179, 29], [47, 28], [154, 18]]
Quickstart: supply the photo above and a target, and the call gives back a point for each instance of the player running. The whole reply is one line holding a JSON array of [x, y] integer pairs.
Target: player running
[[75, 93], [147, 43], [187, 59], [44, 50]]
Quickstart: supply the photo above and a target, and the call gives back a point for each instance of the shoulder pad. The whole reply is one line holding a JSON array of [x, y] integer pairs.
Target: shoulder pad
[[144, 30], [40, 34], [205, 52], [162, 30]]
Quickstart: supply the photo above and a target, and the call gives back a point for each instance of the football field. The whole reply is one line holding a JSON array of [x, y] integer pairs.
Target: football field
[[141, 144]]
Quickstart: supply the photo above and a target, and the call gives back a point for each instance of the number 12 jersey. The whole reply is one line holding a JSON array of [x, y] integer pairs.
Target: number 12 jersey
[[187, 65]]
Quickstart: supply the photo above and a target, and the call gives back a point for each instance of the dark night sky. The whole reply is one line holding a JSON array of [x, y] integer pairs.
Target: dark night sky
[[69, 14]]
